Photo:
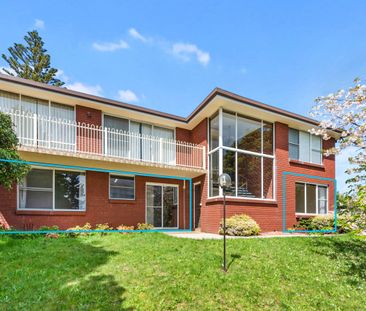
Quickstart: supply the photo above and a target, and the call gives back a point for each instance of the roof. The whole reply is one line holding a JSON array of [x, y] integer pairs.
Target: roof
[[203, 104]]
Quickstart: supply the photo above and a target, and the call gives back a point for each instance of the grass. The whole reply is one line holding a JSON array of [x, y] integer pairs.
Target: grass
[[153, 271]]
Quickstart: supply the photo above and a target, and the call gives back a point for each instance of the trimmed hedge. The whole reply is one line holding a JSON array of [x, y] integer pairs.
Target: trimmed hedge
[[240, 225]]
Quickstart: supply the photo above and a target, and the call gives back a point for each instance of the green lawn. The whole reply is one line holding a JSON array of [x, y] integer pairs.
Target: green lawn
[[153, 271]]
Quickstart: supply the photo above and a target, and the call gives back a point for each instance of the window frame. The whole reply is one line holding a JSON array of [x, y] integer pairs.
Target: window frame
[[316, 198], [221, 149], [311, 149], [122, 199], [53, 192]]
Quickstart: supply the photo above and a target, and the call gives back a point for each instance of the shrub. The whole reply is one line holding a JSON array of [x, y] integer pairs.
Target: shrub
[[123, 227], [104, 226], [48, 228], [87, 226], [144, 226], [323, 222], [240, 225]]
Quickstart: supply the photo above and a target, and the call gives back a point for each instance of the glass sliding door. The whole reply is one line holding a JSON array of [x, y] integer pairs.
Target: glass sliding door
[[162, 205]]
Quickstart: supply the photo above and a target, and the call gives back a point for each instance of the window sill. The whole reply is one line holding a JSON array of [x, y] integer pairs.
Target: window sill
[[50, 213], [314, 165], [300, 215], [241, 200], [119, 201]]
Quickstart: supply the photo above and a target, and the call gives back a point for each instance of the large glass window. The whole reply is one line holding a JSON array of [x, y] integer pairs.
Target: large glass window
[[121, 187], [44, 189], [311, 199], [304, 147], [246, 154], [214, 132]]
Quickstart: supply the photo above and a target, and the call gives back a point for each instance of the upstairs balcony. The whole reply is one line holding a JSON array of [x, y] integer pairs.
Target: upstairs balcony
[[62, 137]]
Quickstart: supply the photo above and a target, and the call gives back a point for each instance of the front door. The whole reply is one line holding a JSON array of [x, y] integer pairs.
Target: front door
[[162, 205], [197, 205]]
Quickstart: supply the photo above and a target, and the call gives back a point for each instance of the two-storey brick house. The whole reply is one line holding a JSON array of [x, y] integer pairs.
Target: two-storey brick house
[[98, 160]]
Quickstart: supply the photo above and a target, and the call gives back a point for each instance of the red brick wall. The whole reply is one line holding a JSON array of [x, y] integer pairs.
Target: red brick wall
[[89, 138], [269, 214], [99, 208]]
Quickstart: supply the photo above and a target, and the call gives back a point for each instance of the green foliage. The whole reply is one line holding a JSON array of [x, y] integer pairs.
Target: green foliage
[[346, 223], [144, 226], [31, 61], [48, 228], [104, 226], [10, 173], [240, 225], [87, 226]]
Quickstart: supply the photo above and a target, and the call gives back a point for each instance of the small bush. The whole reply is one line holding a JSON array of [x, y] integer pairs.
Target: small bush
[[123, 227], [322, 222], [104, 226], [240, 225], [48, 228], [87, 226], [144, 226]]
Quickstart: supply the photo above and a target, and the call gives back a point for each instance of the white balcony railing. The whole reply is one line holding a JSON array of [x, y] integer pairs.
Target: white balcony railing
[[73, 137]]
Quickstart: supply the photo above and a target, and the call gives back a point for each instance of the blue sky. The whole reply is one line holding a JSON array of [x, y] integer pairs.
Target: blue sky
[[168, 55]]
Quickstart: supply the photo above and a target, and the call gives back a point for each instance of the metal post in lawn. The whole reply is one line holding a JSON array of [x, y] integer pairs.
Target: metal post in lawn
[[225, 183]]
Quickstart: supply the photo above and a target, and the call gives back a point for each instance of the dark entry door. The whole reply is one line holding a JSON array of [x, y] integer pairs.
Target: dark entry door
[[197, 205]]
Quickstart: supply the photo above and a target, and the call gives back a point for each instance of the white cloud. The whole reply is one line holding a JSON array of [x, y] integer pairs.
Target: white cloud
[[39, 24], [342, 164], [136, 35], [60, 74], [84, 88], [127, 96], [8, 69], [110, 46], [186, 51]]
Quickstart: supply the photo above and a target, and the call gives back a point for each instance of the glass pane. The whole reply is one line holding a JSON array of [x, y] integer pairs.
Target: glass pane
[[118, 142], [214, 174], [214, 132], [315, 142], [228, 136], [304, 147], [322, 193], [311, 199], [163, 151], [249, 176], [316, 157], [293, 136], [157, 217], [293, 151], [9, 101], [267, 178], [170, 207], [154, 195], [37, 178], [29, 104], [69, 190], [267, 138], [116, 123], [35, 199], [249, 135], [300, 198], [229, 168], [122, 187], [322, 206]]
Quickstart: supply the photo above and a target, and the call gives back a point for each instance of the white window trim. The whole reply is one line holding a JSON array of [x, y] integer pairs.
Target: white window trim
[[121, 175], [316, 198], [53, 192], [221, 148], [178, 203]]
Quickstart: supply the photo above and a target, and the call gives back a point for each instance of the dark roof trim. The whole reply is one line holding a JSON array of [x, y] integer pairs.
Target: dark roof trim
[[203, 104]]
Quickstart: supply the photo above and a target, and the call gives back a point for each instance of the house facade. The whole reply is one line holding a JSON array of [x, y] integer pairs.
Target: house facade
[[102, 161]]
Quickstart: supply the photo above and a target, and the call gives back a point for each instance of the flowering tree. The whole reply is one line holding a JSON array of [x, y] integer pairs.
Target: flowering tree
[[345, 111]]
